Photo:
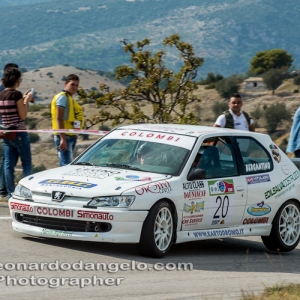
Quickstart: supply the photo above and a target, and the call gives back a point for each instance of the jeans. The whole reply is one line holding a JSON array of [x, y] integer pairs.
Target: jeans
[[3, 190], [65, 157], [297, 153], [13, 149]]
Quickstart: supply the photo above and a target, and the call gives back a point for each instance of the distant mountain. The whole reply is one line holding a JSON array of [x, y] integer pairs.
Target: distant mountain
[[20, 2], [86, 34]]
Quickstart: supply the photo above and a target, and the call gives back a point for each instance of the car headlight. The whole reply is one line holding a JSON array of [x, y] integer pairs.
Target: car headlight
[[21, 191], [112, 201]]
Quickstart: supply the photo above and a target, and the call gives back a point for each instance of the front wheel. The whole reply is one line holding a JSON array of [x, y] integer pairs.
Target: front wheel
[[285, 231], [157, 232]]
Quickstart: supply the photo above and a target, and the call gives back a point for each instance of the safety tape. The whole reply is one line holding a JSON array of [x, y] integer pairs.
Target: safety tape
[[77, 131]]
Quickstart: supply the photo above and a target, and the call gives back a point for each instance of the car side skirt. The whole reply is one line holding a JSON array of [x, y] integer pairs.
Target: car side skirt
[[196, 235]]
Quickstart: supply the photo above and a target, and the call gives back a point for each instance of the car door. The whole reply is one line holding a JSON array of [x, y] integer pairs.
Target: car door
[[219, 199], [258, 169]]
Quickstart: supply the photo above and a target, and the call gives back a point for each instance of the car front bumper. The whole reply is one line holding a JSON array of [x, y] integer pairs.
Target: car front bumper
[[125, 225]]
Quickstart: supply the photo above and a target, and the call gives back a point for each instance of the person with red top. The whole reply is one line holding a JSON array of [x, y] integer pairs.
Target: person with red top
[[13, 110], [3, 190]]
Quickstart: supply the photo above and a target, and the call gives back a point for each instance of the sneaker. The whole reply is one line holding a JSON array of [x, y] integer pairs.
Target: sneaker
[[4, 198]]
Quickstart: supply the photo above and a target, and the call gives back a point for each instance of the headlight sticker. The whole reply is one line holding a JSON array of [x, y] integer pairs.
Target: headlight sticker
[[67, 183]]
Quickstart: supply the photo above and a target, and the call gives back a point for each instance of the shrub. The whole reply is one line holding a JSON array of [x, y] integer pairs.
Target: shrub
[[104, 128], [197, 109], [35, 107], [297, 80], [39, 168], [210, 86], [227, 86], [31, 122], [283, 145], [46, 114], [219, 107], [33, 137], [257, 113], [274, 115], [84, 137]]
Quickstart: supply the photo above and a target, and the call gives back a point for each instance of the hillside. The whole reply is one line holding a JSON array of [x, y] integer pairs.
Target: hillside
[[87, 34], [43, 152], [50, 80]]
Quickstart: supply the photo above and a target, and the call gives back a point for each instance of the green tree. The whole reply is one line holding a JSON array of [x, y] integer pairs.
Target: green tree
[[272, 79], [274, 115], [227, 86], [170, 94], [211, 78], [263, 61]]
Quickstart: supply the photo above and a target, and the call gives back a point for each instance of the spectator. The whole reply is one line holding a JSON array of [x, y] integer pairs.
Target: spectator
[[3, 190], [294, 141], [13, 110], [66, 114], [234, 117]]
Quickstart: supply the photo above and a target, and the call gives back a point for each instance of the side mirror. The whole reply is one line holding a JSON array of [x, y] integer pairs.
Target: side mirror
[[196, 174]]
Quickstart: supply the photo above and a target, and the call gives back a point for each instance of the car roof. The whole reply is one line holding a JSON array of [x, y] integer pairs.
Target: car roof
[[188, 130]]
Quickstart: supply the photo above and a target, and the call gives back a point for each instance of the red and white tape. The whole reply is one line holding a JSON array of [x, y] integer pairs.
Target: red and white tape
[[77, 131]]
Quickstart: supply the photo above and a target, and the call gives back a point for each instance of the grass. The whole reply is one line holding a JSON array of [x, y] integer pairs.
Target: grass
[[278, 292]]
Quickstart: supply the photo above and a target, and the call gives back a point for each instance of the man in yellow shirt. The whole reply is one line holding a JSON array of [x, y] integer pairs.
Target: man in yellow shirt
[[66, 114]]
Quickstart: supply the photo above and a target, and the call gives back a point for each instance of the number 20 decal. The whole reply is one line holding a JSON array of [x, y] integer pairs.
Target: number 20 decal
[[225, 204]]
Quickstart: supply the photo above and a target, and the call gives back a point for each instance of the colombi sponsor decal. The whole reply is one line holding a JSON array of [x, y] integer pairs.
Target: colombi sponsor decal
[[221, 187], [258, 220]]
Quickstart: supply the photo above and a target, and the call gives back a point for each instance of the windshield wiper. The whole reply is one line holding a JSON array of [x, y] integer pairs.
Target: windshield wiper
[[85, 163], [122, 166]]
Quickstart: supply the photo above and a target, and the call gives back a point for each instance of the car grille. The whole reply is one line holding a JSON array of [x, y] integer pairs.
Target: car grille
[[63, 224]]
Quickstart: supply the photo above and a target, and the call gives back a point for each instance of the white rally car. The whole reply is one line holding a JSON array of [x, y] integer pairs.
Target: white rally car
[[155, 185]]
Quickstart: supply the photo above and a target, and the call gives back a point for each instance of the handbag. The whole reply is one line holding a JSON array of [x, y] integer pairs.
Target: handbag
[[6, 134]]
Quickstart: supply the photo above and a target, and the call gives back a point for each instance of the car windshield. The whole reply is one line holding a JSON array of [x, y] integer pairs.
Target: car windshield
[[135, 155]]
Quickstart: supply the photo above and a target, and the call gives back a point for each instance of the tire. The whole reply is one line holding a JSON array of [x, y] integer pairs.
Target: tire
[[285, 231], [158, 231]]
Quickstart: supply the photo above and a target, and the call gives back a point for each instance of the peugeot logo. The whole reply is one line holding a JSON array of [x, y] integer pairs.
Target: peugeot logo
[[58, 196]]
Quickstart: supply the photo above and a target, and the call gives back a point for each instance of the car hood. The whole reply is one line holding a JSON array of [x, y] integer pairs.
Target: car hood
[[88, 181]]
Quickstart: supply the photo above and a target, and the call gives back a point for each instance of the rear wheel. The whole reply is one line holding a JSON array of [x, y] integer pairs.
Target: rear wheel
[[285, 231], [158, 231]]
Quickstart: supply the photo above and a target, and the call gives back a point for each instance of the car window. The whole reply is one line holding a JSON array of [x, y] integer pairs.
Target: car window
[[217, 158], [256, 159], [145, 156]]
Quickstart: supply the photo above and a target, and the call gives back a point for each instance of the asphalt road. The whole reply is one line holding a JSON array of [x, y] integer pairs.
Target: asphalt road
[[53, 268]]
